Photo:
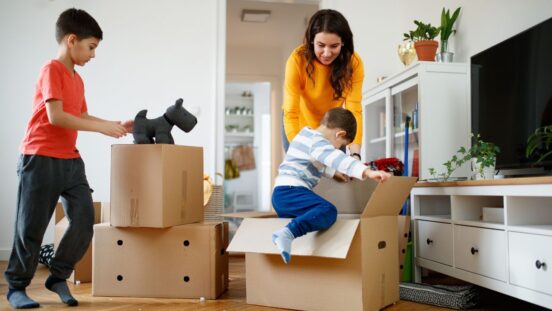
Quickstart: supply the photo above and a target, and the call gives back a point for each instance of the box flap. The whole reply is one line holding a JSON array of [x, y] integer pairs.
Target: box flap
[[255, 236], [389, 197], [252, 214], [349, 197]]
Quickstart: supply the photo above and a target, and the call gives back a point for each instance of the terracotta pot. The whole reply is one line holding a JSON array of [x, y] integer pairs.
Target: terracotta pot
[[426, 49]]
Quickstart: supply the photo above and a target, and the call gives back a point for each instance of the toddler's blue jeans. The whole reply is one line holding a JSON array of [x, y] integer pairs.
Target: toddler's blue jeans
[[42, 180], [309, 211]]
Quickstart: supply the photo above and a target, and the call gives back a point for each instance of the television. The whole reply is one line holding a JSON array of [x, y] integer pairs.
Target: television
[[511, 96]]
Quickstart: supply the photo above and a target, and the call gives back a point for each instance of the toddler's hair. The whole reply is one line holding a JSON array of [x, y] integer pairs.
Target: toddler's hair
[[78, 22], [343, 119]]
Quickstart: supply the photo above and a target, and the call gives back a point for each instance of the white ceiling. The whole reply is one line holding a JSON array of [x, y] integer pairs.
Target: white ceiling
[[284, 29]]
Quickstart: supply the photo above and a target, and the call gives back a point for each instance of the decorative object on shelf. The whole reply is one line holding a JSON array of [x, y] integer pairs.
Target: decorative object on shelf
[[158, 130], [447, 22], [423, 37], [391, 165], [539, 143], [247, 94], [482, 156], [407, 52], [231, 171]]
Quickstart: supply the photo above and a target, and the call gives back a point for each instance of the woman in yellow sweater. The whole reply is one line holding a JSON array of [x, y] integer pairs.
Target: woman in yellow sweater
[[323, 73]]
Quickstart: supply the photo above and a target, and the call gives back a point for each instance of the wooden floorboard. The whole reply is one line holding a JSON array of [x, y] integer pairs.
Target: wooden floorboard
[[233, 299]]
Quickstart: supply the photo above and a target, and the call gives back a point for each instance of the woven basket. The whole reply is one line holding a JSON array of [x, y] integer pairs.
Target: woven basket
[[215, 206]]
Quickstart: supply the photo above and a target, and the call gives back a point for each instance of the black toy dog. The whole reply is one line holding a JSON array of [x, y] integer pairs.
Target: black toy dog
[[158, 130]]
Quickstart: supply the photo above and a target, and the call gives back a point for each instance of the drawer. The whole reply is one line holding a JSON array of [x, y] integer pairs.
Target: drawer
[[434, 241], [481, 251], [531, 261]]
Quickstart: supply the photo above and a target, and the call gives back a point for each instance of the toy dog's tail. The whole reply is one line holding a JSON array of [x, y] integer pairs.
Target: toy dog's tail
[[141, 114]]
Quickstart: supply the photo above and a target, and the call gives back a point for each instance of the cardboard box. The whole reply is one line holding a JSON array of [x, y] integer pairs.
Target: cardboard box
[[83, 268], [187, 261], [351, 266], [157, 185]]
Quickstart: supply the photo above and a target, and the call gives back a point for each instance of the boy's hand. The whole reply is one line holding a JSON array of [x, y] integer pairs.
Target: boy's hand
[[377, 175], [113, 128], [338, 176], [128, 125]]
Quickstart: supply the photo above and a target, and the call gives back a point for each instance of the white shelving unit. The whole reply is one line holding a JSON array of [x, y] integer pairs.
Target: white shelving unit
[[513, 256], [239, 121], [438, 92]]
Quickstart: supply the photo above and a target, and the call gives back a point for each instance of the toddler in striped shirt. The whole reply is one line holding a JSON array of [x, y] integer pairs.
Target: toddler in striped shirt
[[311, 154]]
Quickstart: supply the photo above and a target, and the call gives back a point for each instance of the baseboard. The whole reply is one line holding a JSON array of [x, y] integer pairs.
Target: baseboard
[[5, 254]]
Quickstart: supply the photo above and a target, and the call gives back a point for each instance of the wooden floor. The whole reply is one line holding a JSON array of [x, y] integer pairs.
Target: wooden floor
[[233, 299]]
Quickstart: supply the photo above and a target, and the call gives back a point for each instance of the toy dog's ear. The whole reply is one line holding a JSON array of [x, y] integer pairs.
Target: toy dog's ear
[[179, 102]]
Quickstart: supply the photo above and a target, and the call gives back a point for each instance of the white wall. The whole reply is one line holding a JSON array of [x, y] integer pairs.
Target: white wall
[[378, 26], [152, 53]]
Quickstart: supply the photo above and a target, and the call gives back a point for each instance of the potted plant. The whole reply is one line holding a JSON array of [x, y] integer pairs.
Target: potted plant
[[539, 143], [482, 155], [423, 37], [447, 22]]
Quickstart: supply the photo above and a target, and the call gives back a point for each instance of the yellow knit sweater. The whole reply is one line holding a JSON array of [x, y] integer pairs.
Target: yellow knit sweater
[[305, 102]]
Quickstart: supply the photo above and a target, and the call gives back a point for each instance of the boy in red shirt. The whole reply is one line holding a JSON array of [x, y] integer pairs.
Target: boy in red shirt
[[50, 165]]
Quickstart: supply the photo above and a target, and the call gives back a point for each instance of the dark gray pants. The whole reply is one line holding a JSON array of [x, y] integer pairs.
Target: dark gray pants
[[42, 180]]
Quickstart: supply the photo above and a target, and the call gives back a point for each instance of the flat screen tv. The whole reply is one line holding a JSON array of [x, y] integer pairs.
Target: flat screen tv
[[511, 96]]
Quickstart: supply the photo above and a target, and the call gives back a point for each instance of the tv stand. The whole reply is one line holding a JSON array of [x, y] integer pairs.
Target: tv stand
[[510, 253]]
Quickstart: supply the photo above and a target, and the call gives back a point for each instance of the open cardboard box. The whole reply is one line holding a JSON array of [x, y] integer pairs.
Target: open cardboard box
[[350, 266]]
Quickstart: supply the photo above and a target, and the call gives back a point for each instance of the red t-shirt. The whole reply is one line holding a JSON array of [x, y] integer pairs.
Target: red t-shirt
[[55, 81]]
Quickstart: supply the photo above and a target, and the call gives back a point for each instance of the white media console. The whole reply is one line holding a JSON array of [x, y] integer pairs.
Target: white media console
[[509, 252]]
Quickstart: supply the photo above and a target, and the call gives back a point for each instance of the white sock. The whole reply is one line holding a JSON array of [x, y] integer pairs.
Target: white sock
[[282, 239]]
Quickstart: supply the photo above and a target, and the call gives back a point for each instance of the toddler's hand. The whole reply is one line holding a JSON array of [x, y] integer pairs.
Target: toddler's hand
[[379, 175], [338, 176]]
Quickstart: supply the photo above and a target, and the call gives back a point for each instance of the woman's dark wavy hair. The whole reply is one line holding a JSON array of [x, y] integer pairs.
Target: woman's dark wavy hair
[[341, 70]]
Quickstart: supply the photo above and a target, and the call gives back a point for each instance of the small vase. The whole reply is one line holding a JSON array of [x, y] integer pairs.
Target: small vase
[[407, 53], [488, 172], [444, 57]]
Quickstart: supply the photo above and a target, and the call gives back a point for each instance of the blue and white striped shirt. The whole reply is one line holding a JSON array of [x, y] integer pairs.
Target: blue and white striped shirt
[[310, 156]]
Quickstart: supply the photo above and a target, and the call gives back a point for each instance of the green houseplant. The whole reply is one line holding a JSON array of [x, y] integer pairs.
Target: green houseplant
[[482, 155], [483, 158], [446, 30], [424, 40], [539, 143]]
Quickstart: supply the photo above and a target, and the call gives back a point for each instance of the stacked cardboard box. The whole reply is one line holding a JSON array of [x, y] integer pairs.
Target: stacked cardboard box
[[156, 244]]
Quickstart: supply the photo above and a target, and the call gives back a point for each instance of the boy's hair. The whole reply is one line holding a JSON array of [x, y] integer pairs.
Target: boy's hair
[[342, 119], [79, 23]]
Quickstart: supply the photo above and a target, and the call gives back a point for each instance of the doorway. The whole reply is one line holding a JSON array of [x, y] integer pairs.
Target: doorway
[[260, 35]]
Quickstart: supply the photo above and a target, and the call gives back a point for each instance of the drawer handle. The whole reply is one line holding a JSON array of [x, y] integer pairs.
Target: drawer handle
[[540, 264], [474, 250], [429, 241]]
